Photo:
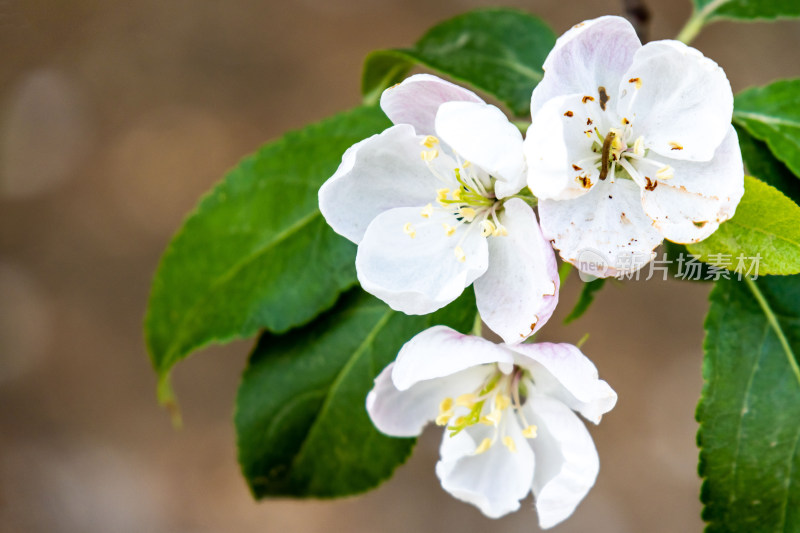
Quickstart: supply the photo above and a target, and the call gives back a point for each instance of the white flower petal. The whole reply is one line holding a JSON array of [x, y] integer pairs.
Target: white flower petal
[[379, 173], [440, 351], [592, 54], [519, 291], [566, 459], [494, 481], [421, 273], [684, 106], [691, 205], [481, 134], [563, 372], [405, 413], [558, 148], [604, 232], [416, 99]]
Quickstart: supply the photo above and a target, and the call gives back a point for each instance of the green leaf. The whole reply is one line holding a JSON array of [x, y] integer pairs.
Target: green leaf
[[301, 420], [747, 9], [585, 299], [772, 114], [766, 224], [499, 51], [760, 163], [256, 253], [749, 412]]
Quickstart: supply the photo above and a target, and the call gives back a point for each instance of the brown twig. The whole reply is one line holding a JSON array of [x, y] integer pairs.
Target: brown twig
[[639, 15]]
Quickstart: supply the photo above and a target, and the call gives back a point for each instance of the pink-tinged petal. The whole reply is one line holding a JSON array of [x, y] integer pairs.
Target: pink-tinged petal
[[591, 55], [413, 264], [684, 103], [558, 148], [604, 232], [561, 371], [405, 413], [440, 351], [481, 133], [416, 99], [494, 481], [566, 459], [700, 196], [519, 291], [377, 174]]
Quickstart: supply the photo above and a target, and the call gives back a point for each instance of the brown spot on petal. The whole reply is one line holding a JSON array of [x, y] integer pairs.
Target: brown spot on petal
[[651, 185], [624, 218], [568, 114], [637, 81], [587, 99], [585, 181], [603, 97], [576, 167]]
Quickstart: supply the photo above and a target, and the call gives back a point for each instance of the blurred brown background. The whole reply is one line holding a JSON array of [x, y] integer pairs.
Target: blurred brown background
[[114, 117]]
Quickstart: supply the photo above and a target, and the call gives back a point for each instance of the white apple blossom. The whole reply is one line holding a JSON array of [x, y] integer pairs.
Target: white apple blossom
[[630, 144], [509, 418], [433, 204]]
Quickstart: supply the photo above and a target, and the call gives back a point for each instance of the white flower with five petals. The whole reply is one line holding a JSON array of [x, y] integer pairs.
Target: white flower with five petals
[[630, 144], [433, 204], [509, 417]]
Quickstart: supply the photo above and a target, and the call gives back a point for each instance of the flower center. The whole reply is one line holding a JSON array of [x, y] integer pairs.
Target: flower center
[[499, 397], [467, 196]]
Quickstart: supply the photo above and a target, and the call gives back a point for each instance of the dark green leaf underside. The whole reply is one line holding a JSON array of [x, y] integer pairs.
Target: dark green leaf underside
[[760, 163], [256, 252], [301, 421], [748, 9], [749, 412], [499, 51]]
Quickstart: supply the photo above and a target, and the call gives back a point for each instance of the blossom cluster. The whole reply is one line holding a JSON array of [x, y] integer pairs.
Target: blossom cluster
[[628, 145]]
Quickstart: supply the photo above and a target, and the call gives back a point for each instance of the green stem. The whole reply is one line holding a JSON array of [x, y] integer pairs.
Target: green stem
[[776, 327], [522, 125], [697, 21], [477, 326]]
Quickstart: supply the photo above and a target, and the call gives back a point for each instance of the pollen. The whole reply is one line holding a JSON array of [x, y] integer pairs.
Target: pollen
[[427, 211], [487, 228], [466, 400], [529, 432], [428, 155], [484, 445], [502, 401], [468, 213], [448, 229], [430, 141], [569, 114], [665, 173], [408, 229], [510, 444], [460, 254], [636, 81]]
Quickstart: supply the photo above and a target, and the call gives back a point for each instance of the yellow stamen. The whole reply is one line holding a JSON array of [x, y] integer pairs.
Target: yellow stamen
[[427, 211], [466, 400], [510, 444], [468, 213], [448, 229], [430, 141], [429, 155], [409, 230], [488, 228], [484, 445], [446, 405], [665, 173], [457, 195], [501, 402], [495, 417], [529, 432], [500, 231], [441, 195], [638, 146], [466, 164], [460, 254]]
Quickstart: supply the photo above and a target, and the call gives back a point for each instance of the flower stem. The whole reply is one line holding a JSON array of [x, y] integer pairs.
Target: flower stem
[[477, 326], [697, 21], [522, 125]]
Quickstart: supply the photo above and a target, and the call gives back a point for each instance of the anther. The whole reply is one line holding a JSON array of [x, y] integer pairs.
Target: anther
[[637, 81], [665, 173], [484, 445], [448, 229], [529, 432], [460, 254], [427, 211], [430, 141], [408, 229], [429, 155], [487, 228], [467, 213], [510, 444]]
